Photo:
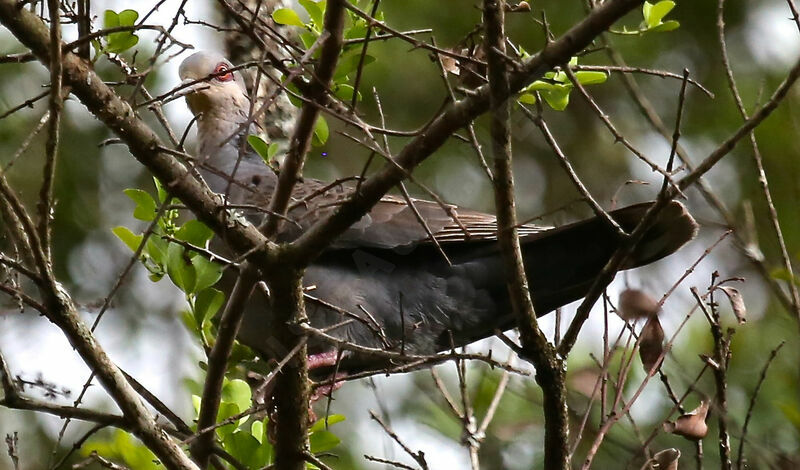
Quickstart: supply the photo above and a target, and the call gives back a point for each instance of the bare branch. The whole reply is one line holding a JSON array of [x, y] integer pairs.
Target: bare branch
[[229, 325], [300, 142]]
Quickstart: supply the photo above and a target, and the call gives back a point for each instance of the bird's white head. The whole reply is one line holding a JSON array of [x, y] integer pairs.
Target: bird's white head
[[217, 92]]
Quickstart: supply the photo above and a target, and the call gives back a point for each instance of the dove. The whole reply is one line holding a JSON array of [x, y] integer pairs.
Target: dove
[[384, 283]]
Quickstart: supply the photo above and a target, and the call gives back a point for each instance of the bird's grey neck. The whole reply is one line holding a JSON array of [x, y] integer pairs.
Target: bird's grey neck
[[222, 148], [219, 140]]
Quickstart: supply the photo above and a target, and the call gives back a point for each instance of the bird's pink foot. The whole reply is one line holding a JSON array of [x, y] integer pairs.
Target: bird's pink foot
[[326, 359]]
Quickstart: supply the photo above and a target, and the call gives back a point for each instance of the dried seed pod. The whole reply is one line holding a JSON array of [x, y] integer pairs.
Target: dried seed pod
[[450, 65], [692, 425], [470, 74], [651, 346], [737, 303], [635, 304], [521, 7], [667, 459]]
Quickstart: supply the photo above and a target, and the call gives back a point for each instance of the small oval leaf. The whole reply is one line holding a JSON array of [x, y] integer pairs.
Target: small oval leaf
[[145, 205], [129, 238], [586, 77], [287, 16], [259, 145], [321, 132]]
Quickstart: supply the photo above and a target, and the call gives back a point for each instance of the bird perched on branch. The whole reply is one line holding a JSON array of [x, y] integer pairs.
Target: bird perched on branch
[[399, 290]]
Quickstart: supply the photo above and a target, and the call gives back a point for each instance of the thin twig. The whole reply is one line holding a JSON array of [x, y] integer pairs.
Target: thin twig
[[418, 457], [761, 379], [53, 130], [756, 153]]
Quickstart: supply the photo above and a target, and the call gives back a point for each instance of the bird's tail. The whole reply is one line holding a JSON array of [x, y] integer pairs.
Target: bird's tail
[[563, 263]]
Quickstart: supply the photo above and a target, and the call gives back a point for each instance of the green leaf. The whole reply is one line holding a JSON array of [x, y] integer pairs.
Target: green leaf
[[590, 78], [647, 8], [189, 321], [358, 30], [245, 448], [541, 85], [560, 77], [128, 238], [226, 410], [349, 64], [127, 17], [207, 272], [145, 205], [122, 447], [207, 304], [162, 193], [527, 98], [180, 272], [156, 249], [670, 25], [195, 232], [557, 99], [196, 401], [308, 39], [272, 150], [294, 91], [287, 17], [321, 132], [658, 12], [313, 10], [320, 424], [121, 41], [237, 391], [261, 147], [98, 47], [117, 44], [110, 19], [258, 430], [240, 354], [784, 275], [322, 441], [345, 92]]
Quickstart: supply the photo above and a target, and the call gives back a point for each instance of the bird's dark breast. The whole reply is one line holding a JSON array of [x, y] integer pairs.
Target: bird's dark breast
[[413, 301], [409, 300], [427, 305]]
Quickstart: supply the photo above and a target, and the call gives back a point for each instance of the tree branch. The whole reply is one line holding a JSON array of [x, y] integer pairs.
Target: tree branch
[[229, 325], [292, 167], [550, 372]]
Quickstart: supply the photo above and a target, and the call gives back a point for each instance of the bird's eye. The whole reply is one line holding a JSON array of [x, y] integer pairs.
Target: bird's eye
[[223, 77]]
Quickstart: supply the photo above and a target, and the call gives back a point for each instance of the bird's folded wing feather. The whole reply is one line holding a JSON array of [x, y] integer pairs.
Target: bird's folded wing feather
[[392, 222]]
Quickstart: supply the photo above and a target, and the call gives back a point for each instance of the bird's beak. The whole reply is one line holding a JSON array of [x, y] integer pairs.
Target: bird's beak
[[188, 86]]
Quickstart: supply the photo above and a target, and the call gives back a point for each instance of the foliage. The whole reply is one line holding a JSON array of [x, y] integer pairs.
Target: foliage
[[121, 41], [556, 87]]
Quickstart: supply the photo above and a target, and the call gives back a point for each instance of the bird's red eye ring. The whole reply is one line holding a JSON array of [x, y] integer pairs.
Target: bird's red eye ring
[[225, 77]]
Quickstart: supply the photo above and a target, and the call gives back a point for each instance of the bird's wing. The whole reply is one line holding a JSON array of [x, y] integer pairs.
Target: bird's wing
[[393, 222]]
